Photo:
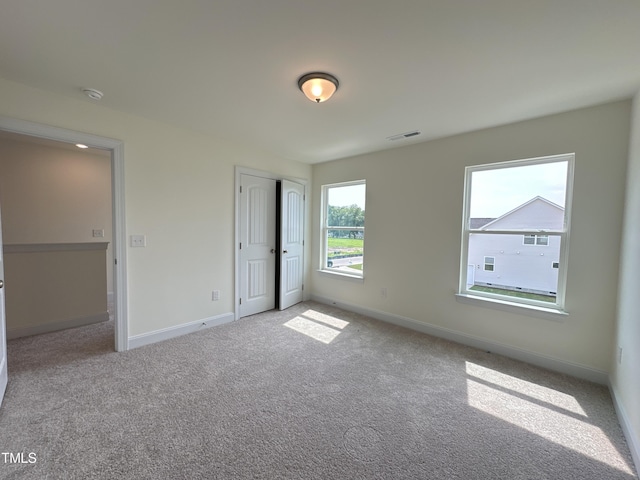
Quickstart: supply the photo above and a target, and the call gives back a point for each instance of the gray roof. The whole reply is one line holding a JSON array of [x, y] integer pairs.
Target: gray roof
[[475, 223]]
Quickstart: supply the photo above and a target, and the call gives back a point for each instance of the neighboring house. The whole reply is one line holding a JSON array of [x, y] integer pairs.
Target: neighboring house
[[518, 262]]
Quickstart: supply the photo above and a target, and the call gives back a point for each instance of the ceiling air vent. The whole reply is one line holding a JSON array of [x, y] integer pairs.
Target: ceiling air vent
[[402, 136]]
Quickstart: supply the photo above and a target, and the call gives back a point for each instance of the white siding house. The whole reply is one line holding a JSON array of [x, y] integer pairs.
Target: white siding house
[[518, 262]]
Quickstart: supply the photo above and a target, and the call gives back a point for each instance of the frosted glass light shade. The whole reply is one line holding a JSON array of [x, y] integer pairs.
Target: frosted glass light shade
[[318, 87]]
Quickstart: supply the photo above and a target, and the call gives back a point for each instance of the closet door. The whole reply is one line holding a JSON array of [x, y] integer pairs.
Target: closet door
[[292, 239], [257, 244]]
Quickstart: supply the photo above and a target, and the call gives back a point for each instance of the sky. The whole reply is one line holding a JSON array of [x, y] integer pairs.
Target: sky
[[347, 196], [496, 192]]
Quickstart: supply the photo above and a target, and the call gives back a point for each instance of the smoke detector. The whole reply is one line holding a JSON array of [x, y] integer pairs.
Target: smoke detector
[[92, 93]]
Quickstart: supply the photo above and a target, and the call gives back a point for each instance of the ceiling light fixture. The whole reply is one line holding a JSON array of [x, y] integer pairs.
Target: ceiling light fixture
[[92, 93], [81, 145], [318, 86]]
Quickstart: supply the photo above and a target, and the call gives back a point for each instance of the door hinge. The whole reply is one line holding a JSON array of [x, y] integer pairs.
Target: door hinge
[[303, 287], [240, 301], [115, 260], [240, 188], [240, 245]]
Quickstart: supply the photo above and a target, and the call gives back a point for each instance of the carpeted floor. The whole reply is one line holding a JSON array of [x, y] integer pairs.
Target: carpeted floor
[[310, 393]]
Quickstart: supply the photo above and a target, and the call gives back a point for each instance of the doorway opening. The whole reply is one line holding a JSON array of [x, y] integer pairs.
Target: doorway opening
[[114, 148]]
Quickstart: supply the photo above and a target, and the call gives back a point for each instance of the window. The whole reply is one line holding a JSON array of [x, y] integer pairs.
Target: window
[[509, 208], [536, 240], [343, 206], [489, 263]]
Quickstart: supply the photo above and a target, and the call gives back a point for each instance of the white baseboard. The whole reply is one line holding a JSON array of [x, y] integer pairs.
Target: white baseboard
[[179, 330], [632, 439], [550, 363], [18, 332]]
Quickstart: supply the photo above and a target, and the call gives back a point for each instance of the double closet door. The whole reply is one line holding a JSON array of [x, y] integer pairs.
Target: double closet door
[[271, 244]]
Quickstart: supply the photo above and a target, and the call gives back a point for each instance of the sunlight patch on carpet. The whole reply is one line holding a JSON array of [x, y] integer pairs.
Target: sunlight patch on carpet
[[317, 325], [324, 318], [555, 399], [548, 413]]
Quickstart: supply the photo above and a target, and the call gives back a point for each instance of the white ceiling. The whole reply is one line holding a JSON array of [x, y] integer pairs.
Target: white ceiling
[[229, 68]]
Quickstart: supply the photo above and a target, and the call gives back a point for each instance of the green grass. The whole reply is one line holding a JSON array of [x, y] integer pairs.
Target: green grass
[[344, 243], [356, 267], [512, 293]]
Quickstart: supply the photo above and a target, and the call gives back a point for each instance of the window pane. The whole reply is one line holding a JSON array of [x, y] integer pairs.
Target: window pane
[[529, 239], [500, 261], [345, 249], [528, 197], [345, 206], [542, 240], [489, 263]]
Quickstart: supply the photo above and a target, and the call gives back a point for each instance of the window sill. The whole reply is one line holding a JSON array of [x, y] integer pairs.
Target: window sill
[[553, 314], [346, 276]]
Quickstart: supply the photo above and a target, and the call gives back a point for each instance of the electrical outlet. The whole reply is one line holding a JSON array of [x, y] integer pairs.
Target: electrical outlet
[[98, 232], [215, 295], [138, 240]]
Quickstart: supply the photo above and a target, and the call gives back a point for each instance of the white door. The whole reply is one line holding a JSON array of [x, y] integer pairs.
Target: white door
[[292, 238], [257, 244], [3, 328]]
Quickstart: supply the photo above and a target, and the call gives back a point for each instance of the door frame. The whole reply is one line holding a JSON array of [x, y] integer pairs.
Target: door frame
[[116, 147], [239, 171]]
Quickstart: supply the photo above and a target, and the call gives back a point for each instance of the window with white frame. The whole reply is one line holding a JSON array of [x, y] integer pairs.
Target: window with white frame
[[536, 240], [343, 211], [489, 264], [509, 207]]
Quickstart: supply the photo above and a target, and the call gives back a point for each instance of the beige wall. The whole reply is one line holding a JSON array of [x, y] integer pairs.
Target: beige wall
[[625, 376], [179, 192], [413, 228], [48, 288], [54, 195]]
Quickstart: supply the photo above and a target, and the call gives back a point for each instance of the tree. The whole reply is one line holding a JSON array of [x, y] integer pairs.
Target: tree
[[345, 216]]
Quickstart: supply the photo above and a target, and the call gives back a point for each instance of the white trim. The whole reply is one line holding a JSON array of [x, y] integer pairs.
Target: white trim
[[324, 228], [18, 332], [238, 172], [551, 363], [536, 311], [3, 376], [338, 274], [179, 330], [627, 429], [118, 208]]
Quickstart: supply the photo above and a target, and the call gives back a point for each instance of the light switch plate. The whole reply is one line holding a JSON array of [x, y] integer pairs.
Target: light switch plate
[[138, 240]]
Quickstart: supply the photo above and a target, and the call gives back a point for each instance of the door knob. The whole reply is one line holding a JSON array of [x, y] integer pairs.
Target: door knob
[[1, 283], [273, 250], [285, 251]]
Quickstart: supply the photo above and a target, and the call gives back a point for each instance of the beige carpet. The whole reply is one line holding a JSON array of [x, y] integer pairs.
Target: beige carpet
[[309, 393]]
